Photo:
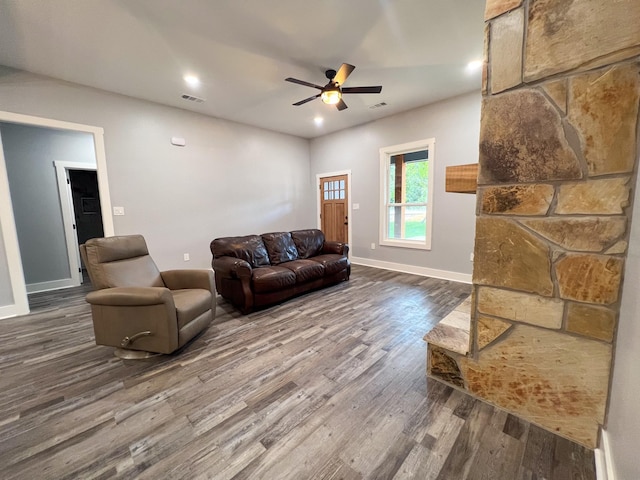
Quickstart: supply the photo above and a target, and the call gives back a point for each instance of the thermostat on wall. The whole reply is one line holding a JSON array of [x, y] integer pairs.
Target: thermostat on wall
[[178, 141]]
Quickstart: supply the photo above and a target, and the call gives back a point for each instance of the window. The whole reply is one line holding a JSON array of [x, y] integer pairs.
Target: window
[[333, 190], [406, 187]]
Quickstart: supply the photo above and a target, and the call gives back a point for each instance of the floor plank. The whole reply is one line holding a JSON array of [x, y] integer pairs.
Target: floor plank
[[330, 385]]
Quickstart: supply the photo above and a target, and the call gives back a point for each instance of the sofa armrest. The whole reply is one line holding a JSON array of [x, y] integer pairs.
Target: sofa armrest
[[131, 297], [180, 279], [232, 267], [336, 248]]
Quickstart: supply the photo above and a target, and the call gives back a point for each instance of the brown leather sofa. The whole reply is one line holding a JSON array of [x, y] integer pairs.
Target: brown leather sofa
[[135, 307], [259, 270]]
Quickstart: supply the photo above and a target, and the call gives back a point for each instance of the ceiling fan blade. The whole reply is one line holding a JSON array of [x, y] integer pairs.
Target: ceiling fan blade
[[376, 89], [343, 73], [341, 105], [302, 82], [302, 102]]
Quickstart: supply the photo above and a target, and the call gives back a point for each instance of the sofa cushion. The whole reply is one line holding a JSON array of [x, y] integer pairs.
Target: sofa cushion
[[280, 247], [305, 270], [331, 262], [308, 242], [269, 279], [190, 304], [249, 248]]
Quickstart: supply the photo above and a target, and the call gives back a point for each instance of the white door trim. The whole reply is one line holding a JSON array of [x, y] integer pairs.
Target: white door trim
[[68, 215], [20, 304], [349, 213], [7, 221]]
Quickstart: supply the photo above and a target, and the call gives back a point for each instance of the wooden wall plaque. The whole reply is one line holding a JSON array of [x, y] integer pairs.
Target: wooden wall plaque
[[462, 178]]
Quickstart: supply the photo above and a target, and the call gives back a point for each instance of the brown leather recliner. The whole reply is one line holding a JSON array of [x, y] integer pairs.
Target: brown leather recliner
[[136, 307]]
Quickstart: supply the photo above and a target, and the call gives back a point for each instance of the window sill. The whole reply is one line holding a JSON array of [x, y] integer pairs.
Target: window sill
[[420, 245]]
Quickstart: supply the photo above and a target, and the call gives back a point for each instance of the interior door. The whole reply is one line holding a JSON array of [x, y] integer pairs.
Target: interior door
[[333, 208]]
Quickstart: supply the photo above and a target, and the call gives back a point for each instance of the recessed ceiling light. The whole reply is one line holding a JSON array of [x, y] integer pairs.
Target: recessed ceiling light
[[474, 66], [318, 121], [192, 80]]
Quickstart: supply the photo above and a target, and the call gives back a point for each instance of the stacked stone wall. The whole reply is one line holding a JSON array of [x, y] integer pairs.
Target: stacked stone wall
[[558, 155]]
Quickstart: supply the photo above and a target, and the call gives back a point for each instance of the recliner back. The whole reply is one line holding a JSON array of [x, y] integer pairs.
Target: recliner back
[[121, 261]]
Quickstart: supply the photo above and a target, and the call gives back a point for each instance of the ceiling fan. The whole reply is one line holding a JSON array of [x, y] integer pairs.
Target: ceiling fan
[[332, 92]]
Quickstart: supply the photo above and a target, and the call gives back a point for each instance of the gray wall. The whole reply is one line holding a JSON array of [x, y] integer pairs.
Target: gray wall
[[29, 155], [623, 423], [230, 179], [455, 124]]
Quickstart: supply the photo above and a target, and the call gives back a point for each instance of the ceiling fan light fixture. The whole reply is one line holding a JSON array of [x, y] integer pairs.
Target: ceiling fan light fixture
[[332, 92], [331, 97]]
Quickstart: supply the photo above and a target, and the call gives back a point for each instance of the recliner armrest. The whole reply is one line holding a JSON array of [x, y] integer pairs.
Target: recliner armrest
[[131, 296], [232, 267], [181, 279], [336, 248]]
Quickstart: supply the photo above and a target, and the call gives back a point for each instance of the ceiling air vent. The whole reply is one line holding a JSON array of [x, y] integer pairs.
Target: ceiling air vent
[[378, 105], [191, 98]]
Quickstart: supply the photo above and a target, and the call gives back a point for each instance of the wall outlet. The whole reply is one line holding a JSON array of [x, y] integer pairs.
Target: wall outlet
[[118, 210], [373, 246], [471, 257], [186, 257]]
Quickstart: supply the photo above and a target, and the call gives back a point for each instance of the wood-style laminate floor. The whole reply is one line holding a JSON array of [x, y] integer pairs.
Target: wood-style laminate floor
[[330, 385]]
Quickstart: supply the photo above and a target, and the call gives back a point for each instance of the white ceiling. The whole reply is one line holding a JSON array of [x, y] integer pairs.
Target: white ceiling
[[242, 50]]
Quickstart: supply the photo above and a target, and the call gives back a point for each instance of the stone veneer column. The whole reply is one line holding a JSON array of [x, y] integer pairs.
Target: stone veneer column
[[558, 152]]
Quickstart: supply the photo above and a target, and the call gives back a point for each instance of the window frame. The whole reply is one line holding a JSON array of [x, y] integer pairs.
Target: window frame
[[385, 160]]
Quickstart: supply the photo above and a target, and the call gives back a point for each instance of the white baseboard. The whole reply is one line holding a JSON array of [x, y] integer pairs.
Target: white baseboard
[[604, 461], [52, 285], [601, 465], [8, 311], [415, 270]]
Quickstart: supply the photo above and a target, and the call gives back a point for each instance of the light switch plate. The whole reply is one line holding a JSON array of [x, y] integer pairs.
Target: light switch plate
[[118, 210]]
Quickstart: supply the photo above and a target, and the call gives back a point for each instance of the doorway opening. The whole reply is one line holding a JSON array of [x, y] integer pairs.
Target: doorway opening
[[86, 204], [81, 211], [13, 294]]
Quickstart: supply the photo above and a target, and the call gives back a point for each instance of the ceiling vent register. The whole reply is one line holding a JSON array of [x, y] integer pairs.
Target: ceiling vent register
[[191, 98]]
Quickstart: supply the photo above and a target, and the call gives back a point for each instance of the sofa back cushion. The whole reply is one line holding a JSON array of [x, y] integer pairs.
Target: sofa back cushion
[[280, 247], [249, 248], [308, 242]]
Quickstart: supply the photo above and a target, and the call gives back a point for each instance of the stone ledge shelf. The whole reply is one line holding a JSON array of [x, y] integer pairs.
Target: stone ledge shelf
[[449, 345], [452, 332]]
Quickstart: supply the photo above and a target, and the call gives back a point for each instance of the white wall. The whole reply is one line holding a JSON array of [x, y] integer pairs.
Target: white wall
[[230, 179], [455, 124], [623, 421], [29, 154]]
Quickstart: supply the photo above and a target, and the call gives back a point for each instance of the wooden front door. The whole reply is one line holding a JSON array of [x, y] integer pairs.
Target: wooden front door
[[333, 208]]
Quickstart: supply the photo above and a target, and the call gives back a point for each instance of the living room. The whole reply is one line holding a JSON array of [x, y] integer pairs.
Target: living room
[[236, 179]]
